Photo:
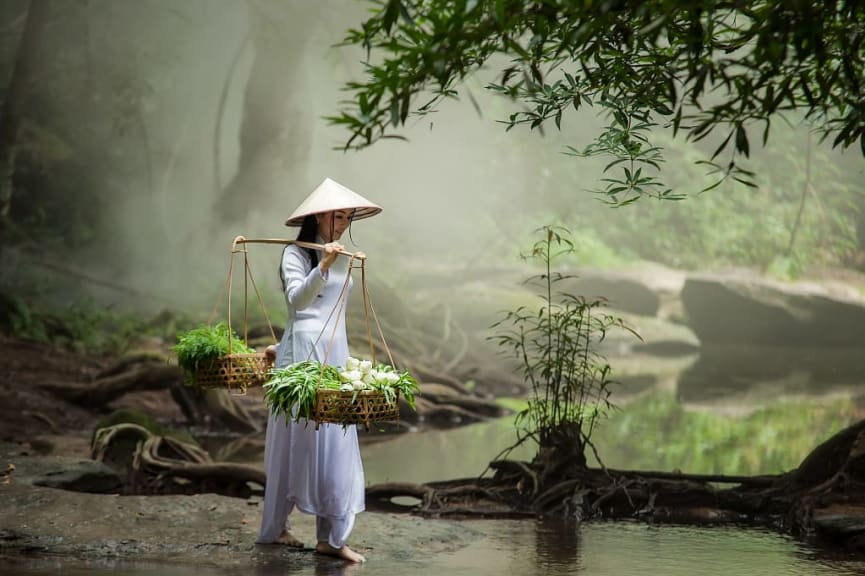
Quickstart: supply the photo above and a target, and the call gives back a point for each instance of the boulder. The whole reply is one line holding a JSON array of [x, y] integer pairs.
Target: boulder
[[751, 311], [81, 476], [622, 292]]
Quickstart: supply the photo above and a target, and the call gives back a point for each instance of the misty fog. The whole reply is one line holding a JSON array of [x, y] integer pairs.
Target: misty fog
[[208, 119], [151, 133]]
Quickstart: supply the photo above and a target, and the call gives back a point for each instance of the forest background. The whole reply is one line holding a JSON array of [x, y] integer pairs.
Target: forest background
[[144, 136]]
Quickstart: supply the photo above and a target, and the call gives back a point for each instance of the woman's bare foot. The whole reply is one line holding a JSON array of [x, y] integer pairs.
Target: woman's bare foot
[[345, 552], [287, 539]]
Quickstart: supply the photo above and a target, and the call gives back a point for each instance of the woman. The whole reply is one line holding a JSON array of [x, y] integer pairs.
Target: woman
[[318, 471]]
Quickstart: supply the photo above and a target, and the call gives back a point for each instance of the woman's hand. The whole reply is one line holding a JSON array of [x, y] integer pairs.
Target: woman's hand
[[331, 251]]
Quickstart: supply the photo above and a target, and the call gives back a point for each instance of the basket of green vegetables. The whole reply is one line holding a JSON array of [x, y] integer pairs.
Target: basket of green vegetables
[[215, 357], [358, 393]]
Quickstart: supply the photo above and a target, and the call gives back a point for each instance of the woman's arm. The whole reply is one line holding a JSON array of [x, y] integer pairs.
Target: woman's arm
[[302, 282]]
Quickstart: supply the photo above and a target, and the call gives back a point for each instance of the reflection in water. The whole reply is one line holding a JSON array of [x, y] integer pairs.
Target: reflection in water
[[630, 549], [439, 455], [336, 567], [751, 377], [524, 547], [654, 432], [659, 433], [314, 565], [557, 545]]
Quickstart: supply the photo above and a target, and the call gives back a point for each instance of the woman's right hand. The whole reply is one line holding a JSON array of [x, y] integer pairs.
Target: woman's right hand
[[331, 251]]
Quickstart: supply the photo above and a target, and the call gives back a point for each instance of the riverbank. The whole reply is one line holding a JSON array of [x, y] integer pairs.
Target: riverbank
[[202, 530], [46, 531]]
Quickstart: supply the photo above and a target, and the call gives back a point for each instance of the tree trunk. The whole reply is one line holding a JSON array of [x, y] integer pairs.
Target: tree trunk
[[275, 131], [20, 85]]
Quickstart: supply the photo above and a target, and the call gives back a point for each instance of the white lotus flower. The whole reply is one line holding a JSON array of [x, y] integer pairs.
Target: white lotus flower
[[352, 363], [346, 387], [392, 377], [350, 375], [365, 365], [369, 377], [358, 385]]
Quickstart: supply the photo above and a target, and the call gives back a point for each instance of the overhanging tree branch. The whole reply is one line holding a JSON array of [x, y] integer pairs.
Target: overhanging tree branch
[[691, 66]]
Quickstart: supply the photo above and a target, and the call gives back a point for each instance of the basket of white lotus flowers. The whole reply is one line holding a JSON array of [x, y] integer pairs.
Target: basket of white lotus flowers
[[357, 393]]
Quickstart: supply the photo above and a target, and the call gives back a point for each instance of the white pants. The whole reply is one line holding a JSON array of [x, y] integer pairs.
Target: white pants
[[318, 471]]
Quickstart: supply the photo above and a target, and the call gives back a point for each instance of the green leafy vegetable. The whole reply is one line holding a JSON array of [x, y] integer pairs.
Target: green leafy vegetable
[[199, 347], [298, 383]]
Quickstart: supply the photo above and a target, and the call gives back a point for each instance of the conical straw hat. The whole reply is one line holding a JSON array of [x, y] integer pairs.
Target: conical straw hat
[[329, 196]]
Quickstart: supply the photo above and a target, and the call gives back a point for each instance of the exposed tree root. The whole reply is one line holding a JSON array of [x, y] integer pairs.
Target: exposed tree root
[[162, 465], [129, 361], [824, 497], [140, 372], [103, 391], [43, 418]]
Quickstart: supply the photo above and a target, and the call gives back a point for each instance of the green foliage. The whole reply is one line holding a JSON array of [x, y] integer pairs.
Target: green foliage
[[557, 347], [626, 140], [799, 216], [296, 384], [200, 346], [85, 327], [703, 67]]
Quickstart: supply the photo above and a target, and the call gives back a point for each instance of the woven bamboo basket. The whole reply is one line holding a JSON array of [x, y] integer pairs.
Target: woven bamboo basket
[[235, 372], [364, 407]]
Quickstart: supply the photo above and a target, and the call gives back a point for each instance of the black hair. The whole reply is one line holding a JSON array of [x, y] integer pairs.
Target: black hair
[[309, 233]]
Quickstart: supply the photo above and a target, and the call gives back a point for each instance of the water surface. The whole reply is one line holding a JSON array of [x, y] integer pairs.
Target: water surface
[[533, 548]]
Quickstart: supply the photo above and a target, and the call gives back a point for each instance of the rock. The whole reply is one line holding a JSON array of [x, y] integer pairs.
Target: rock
[[82, 476], [754, 311], [622, 292]]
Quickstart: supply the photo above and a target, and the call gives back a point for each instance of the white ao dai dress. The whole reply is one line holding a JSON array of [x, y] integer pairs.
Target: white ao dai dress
[[318, 471]]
